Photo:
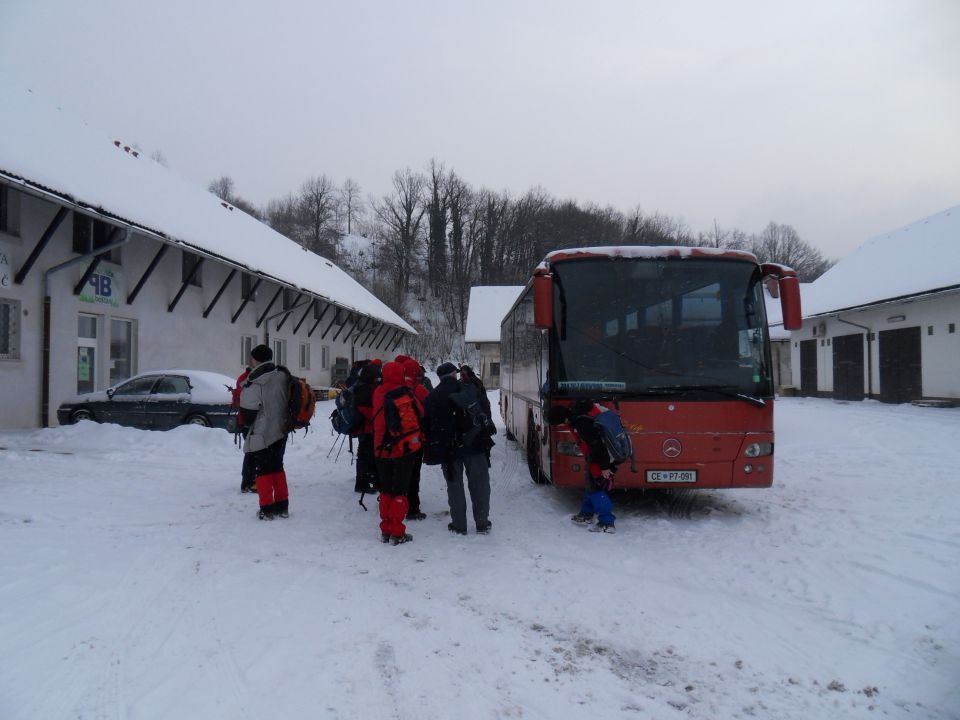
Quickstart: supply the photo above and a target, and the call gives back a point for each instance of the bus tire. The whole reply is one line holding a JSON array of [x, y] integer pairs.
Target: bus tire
[[533, 457]]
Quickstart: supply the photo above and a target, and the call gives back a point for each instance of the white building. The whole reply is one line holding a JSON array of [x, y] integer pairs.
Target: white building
[[110, 265], [488, 306], [882, 323]]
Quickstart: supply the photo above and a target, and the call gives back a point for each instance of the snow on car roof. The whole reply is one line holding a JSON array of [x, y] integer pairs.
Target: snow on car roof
[[58, 154]]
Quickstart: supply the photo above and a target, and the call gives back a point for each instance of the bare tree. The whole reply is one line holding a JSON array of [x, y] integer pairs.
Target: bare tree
[[437, 222], [222, 187], [316, 210], [351, 203], [782, 244], [401, 215]]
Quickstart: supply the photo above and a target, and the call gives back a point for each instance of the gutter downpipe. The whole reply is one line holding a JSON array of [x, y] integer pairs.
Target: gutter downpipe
[[869, 353], [45, 373]]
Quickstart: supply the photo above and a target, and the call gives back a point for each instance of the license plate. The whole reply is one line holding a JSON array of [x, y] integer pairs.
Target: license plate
[[671, 476]]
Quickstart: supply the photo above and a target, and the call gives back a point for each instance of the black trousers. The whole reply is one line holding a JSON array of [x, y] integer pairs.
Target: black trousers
[[270, 459], [394, 475], [366, 465]]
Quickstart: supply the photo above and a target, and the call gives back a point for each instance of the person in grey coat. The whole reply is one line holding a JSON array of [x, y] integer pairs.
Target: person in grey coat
[[263, 407]]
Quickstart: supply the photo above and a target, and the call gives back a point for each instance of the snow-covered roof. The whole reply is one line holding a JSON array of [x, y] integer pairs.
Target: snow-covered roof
[[921, 257], [48, 150], [647, 251], [488, 306], [775, 312]]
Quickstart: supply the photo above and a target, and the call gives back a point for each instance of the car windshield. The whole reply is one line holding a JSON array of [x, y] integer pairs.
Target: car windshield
[[660, 326]]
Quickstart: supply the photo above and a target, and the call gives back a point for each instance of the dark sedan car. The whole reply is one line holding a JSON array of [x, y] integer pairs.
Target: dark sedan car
[[157, 400]]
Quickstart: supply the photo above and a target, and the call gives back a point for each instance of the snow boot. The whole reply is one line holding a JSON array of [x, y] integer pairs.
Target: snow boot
[[483, 528], [282, 508], [452, 528], [400, 539], [604, 527], [583, 518], [416, 516], [266, 512]]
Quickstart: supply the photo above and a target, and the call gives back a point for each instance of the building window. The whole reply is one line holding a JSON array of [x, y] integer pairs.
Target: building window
[[929, 329], [494, 369], [325, 357], [952, 328], [247, 283], [246, 345], [9, 329], [187, 264], [304, 356], [9, 211], [279, 352], [90, 234]]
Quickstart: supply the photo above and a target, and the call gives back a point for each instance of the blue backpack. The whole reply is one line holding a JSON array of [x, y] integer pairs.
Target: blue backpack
[[346, 419], [615, 437]]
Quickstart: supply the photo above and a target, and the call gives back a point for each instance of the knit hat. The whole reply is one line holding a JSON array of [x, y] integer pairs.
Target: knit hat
[[447, 368], [262, 353]]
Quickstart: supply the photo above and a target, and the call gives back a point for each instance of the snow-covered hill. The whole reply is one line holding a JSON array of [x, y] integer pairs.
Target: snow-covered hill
[[138, 584]]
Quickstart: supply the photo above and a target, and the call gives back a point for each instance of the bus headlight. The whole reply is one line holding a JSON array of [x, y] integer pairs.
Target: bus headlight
[[758, 450], [565, 447]]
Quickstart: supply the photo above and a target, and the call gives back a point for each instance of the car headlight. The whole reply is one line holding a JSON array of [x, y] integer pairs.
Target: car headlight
[[758, 450], [565, 447]]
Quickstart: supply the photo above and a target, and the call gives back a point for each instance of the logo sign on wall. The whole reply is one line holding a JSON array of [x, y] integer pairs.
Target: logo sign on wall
[[103, 288]]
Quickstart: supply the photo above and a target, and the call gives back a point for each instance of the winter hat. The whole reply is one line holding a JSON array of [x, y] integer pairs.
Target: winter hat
[[447, 368], [262, 353]]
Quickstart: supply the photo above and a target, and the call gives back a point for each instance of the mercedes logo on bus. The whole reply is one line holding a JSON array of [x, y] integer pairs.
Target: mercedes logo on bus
[[672, 447]]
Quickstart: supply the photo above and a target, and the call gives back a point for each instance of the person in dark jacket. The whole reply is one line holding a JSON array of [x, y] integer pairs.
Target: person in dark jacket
[[600, 471], [458, 442], [366, 481], [263, 408], [395, 403]]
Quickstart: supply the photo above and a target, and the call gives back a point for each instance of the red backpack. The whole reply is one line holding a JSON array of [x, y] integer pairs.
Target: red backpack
[[402, 421]]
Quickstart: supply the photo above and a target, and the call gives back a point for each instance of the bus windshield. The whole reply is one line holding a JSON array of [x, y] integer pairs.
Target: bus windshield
[[650, 327]]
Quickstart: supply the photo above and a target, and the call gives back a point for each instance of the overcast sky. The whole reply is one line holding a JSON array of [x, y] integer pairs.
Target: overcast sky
[[839, 117]]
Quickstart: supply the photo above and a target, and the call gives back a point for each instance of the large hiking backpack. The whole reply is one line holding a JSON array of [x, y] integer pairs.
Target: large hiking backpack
[[346, 418], [402, 421], [354, 375], [301, 402], [615, 437], [474, 421]]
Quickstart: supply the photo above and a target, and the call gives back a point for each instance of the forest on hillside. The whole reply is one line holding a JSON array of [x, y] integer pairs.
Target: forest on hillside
[[434, 235]]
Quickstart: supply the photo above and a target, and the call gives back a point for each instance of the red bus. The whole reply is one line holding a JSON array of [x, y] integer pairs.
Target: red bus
[[674, 338]]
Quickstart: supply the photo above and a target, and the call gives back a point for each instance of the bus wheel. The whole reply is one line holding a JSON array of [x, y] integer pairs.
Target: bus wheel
[[533, 457]]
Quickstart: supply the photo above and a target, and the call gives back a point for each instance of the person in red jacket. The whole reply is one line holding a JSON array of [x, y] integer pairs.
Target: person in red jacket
[[411, 372], [396, 440], [248, 473]]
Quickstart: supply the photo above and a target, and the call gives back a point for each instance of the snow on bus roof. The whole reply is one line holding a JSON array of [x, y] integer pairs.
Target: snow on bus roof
[[58, 154], [488, 306], [648, 251], [918, 258]]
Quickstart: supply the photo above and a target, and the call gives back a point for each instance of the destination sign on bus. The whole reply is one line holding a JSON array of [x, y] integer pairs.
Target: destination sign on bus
[[592, 385]]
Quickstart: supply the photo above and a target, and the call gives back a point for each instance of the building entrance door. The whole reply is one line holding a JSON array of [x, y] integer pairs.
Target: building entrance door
[[122, 341], [901, 369], [848, 367], [808, 368], [86, 353]]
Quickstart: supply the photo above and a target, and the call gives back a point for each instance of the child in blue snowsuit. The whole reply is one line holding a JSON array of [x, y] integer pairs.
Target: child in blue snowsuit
[[579, 416]]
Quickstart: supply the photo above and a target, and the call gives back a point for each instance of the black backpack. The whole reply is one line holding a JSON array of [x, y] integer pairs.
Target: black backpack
[[345, 418], [474, 423]]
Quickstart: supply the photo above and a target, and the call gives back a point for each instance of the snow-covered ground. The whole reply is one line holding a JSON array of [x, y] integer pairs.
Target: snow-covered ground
[[137, 583]]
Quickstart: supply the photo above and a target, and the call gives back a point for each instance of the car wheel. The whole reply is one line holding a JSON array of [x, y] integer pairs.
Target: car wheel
[[200, 420], [81, 414]]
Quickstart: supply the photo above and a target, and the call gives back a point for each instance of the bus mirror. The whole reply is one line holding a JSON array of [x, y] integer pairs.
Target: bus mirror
[[790, 303], [543, 301]]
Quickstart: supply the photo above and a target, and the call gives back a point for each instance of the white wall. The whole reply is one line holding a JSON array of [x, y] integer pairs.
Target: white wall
[[940, 352], [182, 338]]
